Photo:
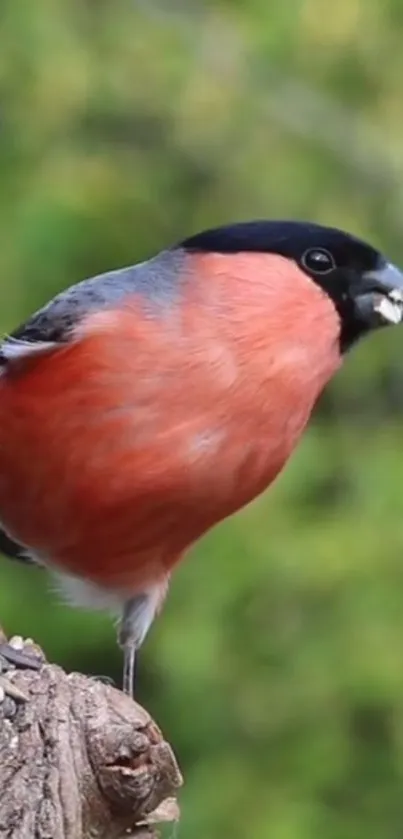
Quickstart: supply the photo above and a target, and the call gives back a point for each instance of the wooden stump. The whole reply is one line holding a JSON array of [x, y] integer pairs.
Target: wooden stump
[[79, 759]]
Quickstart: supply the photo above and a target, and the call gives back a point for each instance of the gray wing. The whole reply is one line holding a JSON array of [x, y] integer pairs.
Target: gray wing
[[155, 281]]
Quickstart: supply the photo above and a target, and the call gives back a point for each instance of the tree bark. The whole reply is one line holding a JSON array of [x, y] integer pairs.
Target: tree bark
[[79, 759]]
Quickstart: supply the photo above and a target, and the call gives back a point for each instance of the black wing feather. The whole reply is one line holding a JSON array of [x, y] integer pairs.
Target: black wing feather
[[13, 550]]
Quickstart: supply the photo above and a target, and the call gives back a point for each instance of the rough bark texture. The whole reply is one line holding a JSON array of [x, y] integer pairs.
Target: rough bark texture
[[79, 759]]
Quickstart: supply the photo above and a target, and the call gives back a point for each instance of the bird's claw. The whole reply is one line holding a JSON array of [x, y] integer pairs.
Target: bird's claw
[[105, 680], [15, 655], [7, 689]]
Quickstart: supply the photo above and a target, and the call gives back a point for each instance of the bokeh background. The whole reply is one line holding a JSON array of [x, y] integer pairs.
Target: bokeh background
[[276, 669]]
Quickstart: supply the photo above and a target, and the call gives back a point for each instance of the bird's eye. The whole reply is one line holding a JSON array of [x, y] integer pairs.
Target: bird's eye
[[318, 260]]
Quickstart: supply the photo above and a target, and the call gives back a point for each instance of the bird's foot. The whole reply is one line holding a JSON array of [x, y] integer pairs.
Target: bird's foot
[[8, 690], [105, 680], [130, 661], [16, 655], [20, 654]]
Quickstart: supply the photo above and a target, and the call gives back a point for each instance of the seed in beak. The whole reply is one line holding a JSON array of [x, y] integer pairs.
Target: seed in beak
[[390, 308], [396, 295]]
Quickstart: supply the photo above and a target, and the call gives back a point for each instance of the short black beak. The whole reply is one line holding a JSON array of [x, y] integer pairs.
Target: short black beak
[[379, 300]]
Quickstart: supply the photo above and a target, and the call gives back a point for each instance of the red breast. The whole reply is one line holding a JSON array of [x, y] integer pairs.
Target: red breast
[[120, 449]]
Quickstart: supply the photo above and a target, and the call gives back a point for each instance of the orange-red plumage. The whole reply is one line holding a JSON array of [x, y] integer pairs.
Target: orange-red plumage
[[120, 449]]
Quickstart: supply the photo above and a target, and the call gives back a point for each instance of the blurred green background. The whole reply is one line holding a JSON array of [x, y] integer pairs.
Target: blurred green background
[[276, 669]]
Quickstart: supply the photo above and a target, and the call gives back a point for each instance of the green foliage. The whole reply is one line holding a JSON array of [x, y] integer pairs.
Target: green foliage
[[276, 668]]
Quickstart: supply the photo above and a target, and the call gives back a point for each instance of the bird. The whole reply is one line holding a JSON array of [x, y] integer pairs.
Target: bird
[[143, 406]]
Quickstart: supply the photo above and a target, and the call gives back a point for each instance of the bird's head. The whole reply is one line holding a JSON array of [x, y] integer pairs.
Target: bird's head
[[365, 288]]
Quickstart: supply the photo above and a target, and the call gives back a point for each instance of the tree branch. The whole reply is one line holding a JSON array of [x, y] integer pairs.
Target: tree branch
[[79, 759]]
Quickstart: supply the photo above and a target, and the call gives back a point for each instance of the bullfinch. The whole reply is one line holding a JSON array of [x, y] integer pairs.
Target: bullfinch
[[141, 407]]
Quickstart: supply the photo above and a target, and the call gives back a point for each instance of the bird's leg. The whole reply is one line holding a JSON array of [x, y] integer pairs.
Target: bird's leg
[[129, 669], [130, 638], [137, 616]]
